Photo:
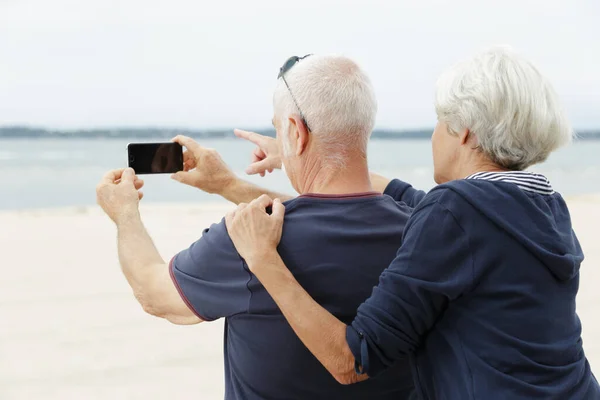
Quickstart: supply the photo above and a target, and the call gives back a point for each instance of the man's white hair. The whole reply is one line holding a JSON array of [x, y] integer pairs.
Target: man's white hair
[[507, 104], [337, 101]]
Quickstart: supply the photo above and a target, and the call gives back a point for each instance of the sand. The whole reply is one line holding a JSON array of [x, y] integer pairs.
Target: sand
[[70, 327]]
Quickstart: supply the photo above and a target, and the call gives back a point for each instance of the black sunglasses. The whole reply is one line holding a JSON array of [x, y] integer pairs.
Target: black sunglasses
[[286, 67]]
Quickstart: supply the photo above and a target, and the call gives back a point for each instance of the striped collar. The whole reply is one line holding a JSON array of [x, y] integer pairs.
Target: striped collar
[[527, 181]]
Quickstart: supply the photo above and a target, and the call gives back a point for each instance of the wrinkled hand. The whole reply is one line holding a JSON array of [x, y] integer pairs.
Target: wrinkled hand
[[118, 193], [203, 168], [265, 158], [255, 233]]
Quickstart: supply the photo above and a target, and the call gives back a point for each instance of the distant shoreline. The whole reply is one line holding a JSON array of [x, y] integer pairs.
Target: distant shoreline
[[23, 132]]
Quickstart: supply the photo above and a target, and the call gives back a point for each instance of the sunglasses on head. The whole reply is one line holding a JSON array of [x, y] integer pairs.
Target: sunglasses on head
[[282, 71]]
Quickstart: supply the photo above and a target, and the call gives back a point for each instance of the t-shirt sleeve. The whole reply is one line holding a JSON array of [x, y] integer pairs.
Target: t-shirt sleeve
[[404, 192], [211, 277], [433, 267]]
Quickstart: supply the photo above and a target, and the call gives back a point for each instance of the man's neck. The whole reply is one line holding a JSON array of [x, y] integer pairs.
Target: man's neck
[[353, 178]]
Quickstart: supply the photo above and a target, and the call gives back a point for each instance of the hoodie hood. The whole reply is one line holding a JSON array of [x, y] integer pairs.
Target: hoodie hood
[[527, 208]]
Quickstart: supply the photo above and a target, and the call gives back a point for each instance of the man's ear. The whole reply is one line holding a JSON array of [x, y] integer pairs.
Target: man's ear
[[301, 135]]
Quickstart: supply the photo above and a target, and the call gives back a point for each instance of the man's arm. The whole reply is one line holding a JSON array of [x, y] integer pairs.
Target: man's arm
[[118, 193], [240, 191], [148, 274], [205, 169]]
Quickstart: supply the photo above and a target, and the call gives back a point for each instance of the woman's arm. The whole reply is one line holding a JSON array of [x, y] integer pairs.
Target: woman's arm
[[321, 332], [404, 192], [397, 189]]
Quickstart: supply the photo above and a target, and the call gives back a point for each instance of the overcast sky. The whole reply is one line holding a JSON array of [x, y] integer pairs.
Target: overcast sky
[[213, 64]]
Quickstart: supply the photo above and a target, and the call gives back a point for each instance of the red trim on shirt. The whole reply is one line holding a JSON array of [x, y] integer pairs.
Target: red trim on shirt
[[185, 300], [341, 196]]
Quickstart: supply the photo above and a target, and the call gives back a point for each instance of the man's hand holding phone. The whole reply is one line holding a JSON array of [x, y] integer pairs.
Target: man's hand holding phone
[[203, 168], [119, 194]]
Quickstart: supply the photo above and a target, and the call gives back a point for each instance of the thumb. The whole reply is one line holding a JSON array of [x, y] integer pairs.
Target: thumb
[[128, 175], [188, 143], [260, 166], [278, 210]]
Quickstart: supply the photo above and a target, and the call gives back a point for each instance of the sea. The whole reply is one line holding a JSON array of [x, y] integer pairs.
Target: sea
[[40, 173]]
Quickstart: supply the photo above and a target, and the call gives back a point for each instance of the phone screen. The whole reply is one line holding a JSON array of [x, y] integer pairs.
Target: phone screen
[[155, 158]]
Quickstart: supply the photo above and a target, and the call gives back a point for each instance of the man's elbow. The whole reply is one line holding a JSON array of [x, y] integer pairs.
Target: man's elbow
[[159, 311], [149, 307]]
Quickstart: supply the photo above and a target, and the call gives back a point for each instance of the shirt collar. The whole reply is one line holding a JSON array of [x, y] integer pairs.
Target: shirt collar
[[527, 181]]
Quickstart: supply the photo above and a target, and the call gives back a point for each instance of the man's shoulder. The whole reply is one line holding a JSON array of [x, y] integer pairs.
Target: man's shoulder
[[327, 219], [372, 204], [214, 241]]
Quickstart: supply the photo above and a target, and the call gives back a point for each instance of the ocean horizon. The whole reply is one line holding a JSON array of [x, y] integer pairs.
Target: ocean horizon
[[27, 132], [38, 173]]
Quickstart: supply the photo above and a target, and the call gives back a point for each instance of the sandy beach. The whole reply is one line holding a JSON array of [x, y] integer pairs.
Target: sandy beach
[[70, 327]]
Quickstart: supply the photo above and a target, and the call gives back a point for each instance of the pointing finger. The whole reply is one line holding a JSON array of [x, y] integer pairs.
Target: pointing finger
[[253, 137]]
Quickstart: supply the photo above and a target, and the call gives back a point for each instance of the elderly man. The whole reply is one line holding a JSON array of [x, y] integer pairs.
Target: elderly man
[[339, 236]]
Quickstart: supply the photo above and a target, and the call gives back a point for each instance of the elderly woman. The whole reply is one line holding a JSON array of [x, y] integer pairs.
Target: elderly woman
[[481, 294]]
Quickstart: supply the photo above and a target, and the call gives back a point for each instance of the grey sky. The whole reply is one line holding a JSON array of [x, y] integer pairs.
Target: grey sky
[[202, 64]]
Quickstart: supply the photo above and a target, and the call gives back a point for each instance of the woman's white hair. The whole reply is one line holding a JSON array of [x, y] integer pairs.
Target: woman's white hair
[[337, 101], [503, 100]]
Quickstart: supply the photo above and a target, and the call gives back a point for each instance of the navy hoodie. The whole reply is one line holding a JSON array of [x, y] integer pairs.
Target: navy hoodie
[[481, 294]]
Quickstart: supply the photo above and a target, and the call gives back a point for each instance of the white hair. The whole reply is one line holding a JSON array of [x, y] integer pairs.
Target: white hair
[[336, 99], [502, 99]]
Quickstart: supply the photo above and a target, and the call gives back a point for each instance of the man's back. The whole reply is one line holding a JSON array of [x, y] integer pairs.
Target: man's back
[[336, 247]]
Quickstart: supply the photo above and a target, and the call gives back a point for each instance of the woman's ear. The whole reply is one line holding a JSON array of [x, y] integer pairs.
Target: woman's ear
[[464, 136], [301, 134]]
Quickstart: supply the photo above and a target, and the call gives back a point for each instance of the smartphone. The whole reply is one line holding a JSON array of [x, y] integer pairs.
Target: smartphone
[[155, 158]]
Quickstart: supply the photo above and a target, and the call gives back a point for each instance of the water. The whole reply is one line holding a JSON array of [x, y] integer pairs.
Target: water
[[43, 173]]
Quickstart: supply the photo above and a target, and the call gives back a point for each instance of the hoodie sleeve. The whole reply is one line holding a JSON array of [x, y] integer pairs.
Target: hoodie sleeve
[[404, 192], [433, 267]]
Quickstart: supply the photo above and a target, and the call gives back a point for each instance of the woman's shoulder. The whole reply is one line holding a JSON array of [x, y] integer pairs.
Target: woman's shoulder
[[464, 197], [446, 195]]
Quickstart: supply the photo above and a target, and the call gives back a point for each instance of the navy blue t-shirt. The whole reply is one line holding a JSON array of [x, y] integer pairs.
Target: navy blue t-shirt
[[336, 247]]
